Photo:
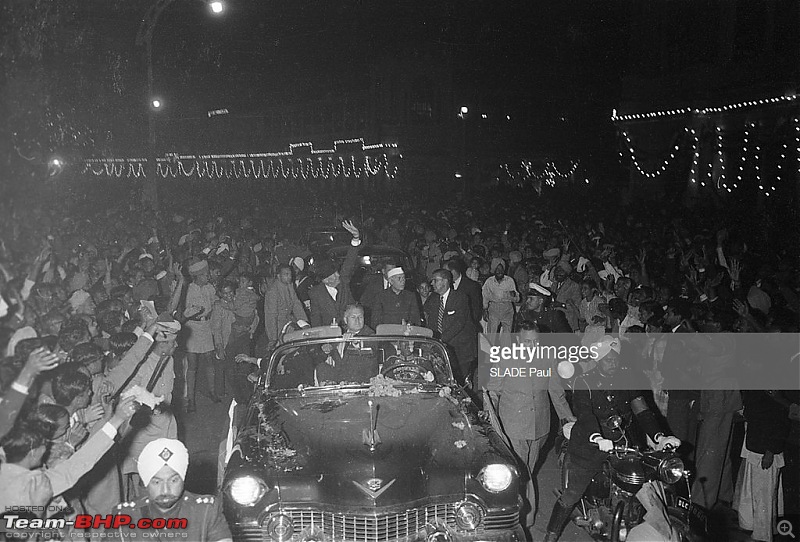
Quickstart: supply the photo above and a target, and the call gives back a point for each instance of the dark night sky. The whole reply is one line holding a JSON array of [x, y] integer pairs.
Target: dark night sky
[[554, 56], [558, 67]]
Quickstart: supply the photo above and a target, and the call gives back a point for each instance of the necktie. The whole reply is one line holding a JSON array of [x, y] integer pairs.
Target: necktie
[[440, 320]]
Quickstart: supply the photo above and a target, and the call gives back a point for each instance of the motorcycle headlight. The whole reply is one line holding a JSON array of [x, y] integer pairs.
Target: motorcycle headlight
[[247, 490], [496, 477], [671, 470]]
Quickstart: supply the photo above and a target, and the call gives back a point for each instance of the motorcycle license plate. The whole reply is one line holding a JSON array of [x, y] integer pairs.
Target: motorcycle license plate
[[697, 516]]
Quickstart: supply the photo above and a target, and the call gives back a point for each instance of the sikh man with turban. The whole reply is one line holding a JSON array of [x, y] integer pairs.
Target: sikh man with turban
[[162, 467]]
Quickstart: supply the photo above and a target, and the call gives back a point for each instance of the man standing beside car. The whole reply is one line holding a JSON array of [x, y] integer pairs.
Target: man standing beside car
[[447, 314], [330, 298], [162, 466], [374, 285], [281, 305]]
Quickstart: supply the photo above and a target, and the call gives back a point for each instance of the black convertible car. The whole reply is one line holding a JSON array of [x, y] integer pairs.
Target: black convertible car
[[367, 438]]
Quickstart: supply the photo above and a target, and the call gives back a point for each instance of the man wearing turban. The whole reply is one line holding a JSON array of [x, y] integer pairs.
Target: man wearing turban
[[162, 466]]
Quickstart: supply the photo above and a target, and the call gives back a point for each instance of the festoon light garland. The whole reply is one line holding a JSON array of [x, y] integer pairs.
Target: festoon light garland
[[702, 111], [258, 165], [664, 164], [549, 174], [722, 179]]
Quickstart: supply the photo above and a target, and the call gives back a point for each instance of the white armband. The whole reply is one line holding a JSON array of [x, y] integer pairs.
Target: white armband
[[109, 430], [20, 388]]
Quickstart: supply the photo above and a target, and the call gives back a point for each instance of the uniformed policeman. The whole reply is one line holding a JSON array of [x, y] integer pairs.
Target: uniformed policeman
[[541, 309], [162, 467], [600, 396]]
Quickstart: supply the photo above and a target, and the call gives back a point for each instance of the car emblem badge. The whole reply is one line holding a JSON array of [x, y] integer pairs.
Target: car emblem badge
[[372, 487]]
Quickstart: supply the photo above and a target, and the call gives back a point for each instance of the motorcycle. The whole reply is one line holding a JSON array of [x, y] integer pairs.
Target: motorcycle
[[636, 487]]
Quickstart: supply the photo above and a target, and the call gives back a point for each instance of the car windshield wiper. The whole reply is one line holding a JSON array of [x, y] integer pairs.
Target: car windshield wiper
[[336, 387], [328, 387]]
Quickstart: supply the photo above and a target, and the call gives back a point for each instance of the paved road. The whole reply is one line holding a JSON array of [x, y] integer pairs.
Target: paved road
[[203, 430]]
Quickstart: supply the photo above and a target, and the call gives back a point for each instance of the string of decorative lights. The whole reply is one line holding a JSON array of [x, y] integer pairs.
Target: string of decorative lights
[[217, 168], [797, 143], [702, 111], [718, 155], [695, 157], [664, 165], [549, 173], [267, 165], [745, 144]]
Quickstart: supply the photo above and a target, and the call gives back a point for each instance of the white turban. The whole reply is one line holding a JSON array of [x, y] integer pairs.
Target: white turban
[[394, 272], [160, 452]]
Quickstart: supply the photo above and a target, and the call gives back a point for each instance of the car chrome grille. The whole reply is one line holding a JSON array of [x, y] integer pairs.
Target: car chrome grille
[[380, 528]]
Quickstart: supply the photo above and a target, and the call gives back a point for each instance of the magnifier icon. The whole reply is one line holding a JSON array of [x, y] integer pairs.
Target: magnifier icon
[[785, 528]]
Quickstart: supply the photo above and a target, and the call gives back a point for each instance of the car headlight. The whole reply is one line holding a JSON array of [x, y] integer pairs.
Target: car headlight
[[280, 528], [671, 470], [247, 490], [496, 477], [468, 516]]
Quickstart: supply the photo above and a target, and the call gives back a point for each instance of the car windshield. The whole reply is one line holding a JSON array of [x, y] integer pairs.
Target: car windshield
[[358, 362]]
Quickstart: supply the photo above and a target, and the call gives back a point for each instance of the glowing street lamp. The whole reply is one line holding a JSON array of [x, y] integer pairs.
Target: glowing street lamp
[[144, 39]]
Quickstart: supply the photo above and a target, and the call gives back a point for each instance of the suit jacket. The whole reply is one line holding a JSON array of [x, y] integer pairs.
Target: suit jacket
[[281, 305], [458, 332], [391, 308], [323, 308], [373, 286], [354, 364], [474, 294]]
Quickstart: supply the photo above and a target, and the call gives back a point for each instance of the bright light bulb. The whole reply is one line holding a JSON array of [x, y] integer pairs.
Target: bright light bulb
[[464, 109], [156, 103], [217, 7]]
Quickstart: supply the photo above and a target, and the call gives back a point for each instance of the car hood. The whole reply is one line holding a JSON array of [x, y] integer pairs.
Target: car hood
[[317, 448]]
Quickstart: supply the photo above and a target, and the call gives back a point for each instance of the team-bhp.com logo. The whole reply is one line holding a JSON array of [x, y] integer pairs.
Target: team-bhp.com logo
[[87, 521]]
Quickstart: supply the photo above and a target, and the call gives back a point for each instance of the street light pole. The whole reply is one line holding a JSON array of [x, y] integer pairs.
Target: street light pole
[[144, 38], [463, 116]]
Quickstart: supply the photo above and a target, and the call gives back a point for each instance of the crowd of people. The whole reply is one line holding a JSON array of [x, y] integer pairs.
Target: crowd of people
[[124, 306]]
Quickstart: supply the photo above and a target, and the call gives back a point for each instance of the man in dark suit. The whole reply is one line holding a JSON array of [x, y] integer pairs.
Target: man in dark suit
[[350, 361], [448, 315], [373, 286], [330, 298], [396, 305], [470, 288]]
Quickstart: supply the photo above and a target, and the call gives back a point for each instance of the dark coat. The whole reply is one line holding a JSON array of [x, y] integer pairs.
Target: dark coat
[[458, 332], [373, 286], [392, 308], [553, 319], [474, 294], [323, 308]]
